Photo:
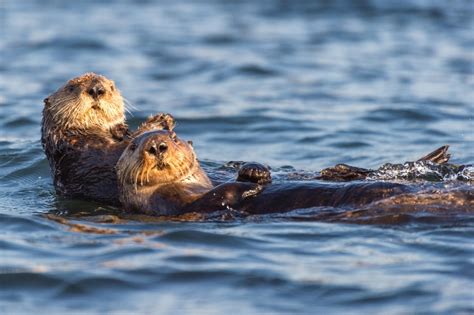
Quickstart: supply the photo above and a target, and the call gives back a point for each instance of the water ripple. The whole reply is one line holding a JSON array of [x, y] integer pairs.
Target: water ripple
[[298, 85]]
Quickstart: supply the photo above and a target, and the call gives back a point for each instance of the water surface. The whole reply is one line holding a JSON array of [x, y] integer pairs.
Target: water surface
[[299, 85]]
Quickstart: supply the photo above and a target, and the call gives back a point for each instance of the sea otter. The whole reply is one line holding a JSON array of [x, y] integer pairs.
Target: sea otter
[[159, 173], [84, 133]]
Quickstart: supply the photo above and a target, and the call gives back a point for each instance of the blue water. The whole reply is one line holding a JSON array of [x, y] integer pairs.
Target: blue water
[[298, 85]]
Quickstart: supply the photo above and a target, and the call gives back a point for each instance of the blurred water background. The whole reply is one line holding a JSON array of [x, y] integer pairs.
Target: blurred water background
[[305, 84]]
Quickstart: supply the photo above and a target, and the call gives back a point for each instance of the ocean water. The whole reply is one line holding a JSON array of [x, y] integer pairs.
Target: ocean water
[[298, 85]]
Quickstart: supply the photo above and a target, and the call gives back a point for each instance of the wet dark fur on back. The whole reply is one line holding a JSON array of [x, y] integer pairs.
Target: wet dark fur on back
[[84, 167]]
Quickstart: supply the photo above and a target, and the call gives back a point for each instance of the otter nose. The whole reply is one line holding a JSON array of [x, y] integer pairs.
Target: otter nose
[[158, 149], [96, 90]]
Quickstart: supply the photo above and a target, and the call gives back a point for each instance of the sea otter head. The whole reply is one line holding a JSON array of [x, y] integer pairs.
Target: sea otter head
[[156, 158], [88, 102]]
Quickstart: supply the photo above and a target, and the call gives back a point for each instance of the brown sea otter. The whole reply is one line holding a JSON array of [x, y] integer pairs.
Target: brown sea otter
[[84, 133], [158, 173]]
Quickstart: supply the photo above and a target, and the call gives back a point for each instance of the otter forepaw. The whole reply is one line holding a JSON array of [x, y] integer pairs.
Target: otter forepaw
[[254, 173], [161, 121]]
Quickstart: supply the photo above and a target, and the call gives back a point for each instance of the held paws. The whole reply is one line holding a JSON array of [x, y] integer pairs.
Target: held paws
[[254, 173], [159, 121], [119, 132]]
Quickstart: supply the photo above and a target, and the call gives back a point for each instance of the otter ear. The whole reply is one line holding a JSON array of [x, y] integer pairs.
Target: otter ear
[[46, 101], [169, 122], [190, 143]]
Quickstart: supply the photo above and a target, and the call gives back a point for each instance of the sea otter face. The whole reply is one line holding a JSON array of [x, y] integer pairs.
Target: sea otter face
[[155, 158], [89, 101]]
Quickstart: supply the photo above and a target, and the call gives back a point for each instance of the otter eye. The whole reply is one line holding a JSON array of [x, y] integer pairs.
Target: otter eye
[[70, 88], [163, 147], [132, 147]]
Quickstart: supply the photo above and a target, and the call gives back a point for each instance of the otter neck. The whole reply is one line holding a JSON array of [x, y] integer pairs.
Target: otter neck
[[166, 198]]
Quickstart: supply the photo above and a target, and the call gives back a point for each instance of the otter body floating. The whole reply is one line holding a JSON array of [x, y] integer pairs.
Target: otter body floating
[[159, 173]]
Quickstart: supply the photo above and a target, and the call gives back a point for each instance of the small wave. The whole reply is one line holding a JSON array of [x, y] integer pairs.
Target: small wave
[[391, 114], [179, 71], [257, 70], [312, 139], [97, 284], [216, 239], [220, 39], [21, 122], [29, 281], [70, 43], [23, 224], [350, 144]]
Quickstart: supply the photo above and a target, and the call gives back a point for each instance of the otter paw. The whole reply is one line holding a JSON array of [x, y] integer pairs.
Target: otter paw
[[252, 192], [344, 172], [159, 121], [119, 132], [254, 173]]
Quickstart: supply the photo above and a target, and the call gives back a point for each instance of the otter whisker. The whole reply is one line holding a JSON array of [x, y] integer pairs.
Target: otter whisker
[[136, 177], [148, 175], [126, 106], [128, 111], [129, 104], [142, 173]]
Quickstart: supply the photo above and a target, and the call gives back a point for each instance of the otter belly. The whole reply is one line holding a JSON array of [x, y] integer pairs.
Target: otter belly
[[342, 198]]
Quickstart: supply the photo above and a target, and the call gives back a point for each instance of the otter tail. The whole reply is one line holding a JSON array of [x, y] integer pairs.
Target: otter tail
[[439, 155]]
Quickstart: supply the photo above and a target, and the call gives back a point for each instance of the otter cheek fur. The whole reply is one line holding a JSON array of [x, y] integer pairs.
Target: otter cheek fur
[[158, 172]]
